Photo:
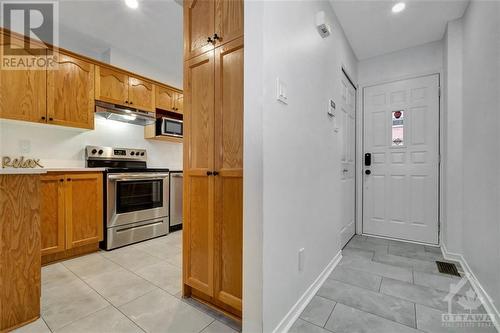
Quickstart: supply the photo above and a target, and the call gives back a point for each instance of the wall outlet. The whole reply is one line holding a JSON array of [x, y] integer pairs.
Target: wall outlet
[[301, 259]]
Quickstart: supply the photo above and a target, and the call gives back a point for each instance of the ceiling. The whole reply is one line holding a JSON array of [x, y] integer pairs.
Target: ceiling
[[150, 36], [372, 29]]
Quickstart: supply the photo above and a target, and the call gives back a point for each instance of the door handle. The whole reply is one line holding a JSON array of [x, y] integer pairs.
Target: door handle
[[368, 159]]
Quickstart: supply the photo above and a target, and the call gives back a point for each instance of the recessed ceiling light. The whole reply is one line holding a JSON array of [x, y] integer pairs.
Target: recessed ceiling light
[[399, 7], [132, 3]]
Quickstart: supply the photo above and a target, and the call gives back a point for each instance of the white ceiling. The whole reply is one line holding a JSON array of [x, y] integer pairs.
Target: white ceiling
[[372, 29], [150, 37]]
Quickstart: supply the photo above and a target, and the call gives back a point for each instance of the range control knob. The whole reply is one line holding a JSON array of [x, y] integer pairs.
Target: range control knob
[[100, 151], [137, 153], [94, 151], [142, 154], [132, 153]]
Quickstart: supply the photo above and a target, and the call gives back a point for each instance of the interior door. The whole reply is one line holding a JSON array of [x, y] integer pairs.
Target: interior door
[[347, 120], [229, 180], [401, 132], [198, 235]]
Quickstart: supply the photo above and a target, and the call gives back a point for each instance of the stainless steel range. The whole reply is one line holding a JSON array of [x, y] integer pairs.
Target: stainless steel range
[[136, 197]]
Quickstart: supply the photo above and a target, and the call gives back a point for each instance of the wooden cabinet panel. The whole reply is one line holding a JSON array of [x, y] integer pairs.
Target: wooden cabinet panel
[[22, 92], [165, 98], [70, 93], [198, 27], [198, 186], [52, 213], [229, 163], [111, 86], [141, 94], [228, 20], [179, 103], [84, 219]]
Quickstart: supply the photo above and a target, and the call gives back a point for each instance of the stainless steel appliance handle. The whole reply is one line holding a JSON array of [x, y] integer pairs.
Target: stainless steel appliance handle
[[176, 175], [155, 176]]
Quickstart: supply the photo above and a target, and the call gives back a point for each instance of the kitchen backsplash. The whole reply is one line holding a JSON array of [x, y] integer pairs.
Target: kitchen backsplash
[[59, 147]]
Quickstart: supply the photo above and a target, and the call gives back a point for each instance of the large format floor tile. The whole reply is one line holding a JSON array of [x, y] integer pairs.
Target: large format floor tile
[[415, 264], [302, 326], [318, 311], [68, 302], [91, 265], [120, 286], [389, 307], [439, 281], [163, 275], [107, 320], [377, 268], [37, 326], [345, 319], [357, 278], [159, 311], [218, 327], [131, 258], [56, 274]]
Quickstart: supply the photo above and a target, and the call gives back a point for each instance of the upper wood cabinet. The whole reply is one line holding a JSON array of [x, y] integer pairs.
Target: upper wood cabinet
[[179, 103], [117, 87], [165, 98], [210, 23], [70, 93], [52, 213], [22, 92], [111, 85]]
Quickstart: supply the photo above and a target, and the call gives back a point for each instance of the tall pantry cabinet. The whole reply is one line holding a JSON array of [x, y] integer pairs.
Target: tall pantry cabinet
[[213, 153]]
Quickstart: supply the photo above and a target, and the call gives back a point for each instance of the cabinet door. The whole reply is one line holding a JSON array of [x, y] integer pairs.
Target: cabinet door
[[22, 92], [111, 86], [229, 181], [198, 235], [198, 27], [228, 20], [179, 103], [83, 202], [141, 94], [164, 98], [70, 93], [52, 213]]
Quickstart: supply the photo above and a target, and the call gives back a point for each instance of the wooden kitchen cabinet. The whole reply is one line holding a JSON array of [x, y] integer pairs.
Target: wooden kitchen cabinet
[[71, 214], [210, 23], [118, 87], [111, 85], [179, 103], [22, 92], [165, 98], [70, 93], [213, 177], [52, 214]]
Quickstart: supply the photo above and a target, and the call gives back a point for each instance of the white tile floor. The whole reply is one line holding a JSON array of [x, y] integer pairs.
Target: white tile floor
[[132, 289]]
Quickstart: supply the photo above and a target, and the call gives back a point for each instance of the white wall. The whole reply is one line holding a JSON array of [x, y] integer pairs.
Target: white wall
[[422, 59], [481, 144], [59, 147], [297, 159]]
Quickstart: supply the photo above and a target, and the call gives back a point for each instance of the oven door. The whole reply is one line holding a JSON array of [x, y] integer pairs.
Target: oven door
[[136, 197]]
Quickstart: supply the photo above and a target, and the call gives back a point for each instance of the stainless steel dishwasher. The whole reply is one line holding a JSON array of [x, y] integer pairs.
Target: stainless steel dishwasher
[[176, 179]]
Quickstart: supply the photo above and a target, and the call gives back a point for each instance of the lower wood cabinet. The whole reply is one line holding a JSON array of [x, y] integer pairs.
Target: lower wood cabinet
[[71, 214]]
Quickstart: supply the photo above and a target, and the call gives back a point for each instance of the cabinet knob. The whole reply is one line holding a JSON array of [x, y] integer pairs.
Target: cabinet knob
[[43, 118], [131, 103], [50, 119], [209, 173], [210, 40], [216, 173], [61, 180], [126, 102], [216, 37], [69, 179]]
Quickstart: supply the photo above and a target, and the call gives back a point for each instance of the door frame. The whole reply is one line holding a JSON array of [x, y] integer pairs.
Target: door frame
[[345, 73], [360, 147]]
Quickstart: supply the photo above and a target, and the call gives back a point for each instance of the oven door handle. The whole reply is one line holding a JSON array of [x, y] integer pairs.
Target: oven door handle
[[138, 177]]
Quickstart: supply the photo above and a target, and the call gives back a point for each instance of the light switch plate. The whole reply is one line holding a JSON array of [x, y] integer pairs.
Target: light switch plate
[[281, 91]]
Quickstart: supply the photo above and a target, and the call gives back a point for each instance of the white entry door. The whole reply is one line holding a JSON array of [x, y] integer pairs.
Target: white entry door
[[347, 133], [401, 132]]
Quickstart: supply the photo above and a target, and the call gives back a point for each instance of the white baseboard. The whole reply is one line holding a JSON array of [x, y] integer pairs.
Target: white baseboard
[[488, 303], [294, 313]]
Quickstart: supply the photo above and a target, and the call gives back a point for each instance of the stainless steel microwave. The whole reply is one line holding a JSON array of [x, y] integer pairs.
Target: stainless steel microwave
[[172, 127]]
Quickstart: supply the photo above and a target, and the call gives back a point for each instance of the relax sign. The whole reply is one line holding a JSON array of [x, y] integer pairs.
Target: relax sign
[[20, 162]]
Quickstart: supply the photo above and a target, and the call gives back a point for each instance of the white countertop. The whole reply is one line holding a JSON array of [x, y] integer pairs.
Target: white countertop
[[34, 171]]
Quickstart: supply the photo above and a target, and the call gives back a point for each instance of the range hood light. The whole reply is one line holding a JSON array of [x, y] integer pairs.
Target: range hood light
[[131, 118]]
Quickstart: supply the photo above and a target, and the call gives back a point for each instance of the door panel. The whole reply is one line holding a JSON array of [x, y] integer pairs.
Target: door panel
[[52, 213], [84, 218], [348, 136], [111, 86], [165, 98], [70, 93], [198, 26], [179, 103], [198, 236], [228, 20], [141, 94], [229, 164], [23, 92], [402, 133]]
